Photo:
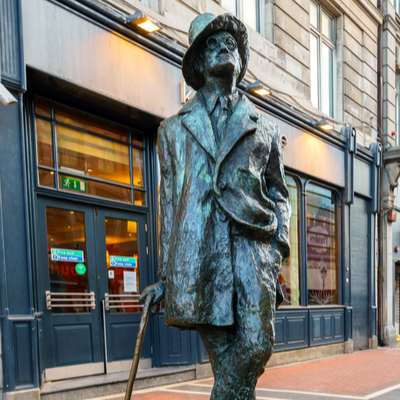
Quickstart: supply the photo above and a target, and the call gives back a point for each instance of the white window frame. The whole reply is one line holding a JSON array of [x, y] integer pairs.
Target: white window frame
[[260, 18], [316, 32]]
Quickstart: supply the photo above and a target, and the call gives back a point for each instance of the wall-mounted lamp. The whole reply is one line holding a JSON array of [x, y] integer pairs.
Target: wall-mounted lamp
[[258, 88], [143, 21], [323, 124]]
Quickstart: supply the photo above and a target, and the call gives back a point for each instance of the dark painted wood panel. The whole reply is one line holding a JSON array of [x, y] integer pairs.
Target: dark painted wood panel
[[122, 333], [326, 326], [23, 352], [73, 344], [359, 229]]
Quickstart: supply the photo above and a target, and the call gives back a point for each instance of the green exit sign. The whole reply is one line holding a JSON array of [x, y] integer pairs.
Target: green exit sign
[[73, 184]]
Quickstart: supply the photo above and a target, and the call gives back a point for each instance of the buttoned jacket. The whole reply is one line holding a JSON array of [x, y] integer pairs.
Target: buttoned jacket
[[208, 194]]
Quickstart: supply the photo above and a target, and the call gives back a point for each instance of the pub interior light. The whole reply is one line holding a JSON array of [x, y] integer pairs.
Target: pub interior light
[[323, 124], [258, 88], [143, 21]]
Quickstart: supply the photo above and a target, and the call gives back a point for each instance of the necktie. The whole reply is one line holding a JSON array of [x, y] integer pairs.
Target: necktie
[[219, 118]]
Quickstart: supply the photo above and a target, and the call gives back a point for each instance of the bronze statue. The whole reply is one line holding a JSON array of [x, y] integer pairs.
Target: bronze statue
[[224, 211]]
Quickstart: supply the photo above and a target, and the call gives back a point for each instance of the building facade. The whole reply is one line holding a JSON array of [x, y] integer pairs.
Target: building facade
[[79, 177]]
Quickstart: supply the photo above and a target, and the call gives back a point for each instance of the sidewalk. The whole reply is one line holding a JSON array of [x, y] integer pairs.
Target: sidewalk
[[372, 374]]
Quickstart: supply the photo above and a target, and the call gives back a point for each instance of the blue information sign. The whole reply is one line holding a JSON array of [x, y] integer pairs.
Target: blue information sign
[[67, 255], [127, 262]]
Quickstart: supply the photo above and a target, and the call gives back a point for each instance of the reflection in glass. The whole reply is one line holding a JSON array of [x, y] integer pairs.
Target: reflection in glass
[[66, 231], [314, 14], [289, 277], [46, 178], [137, 139], [89, 122], [95, 188], [85, 154], [140, 198], [322, 267], [250, 13], [326, 26], [138, 168], [44, 143], [42, 107], [122, 262], [326, 79], [314, 70], [229, 5]]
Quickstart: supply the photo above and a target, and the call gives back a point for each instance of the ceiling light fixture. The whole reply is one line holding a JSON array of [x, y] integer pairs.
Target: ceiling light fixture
[[323, 124], [143, 21]]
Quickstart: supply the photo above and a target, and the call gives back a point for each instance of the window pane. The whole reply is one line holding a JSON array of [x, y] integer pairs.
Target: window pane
[[250, 13], [122, 264], [289, 277], [138, 168], [313, 14], [326, 26], [322, 268], [44, 143], [88, 155], [230, 6], [46, 178], [89, 122], [42, 107], [397, 104], [137, 139], [326, 79], [66, 231], [140, 198], [314, 70], [93, 188]]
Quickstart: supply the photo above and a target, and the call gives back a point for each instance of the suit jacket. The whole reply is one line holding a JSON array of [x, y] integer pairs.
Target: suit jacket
[[208, 194]]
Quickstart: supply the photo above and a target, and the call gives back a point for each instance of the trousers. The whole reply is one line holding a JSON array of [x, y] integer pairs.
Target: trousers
[[238, 353]]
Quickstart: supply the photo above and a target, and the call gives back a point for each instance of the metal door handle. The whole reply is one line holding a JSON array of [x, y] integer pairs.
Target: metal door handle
[[59, 300]]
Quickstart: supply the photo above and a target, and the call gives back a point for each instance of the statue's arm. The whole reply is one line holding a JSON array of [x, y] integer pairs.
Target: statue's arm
[[165, 218], [278, 192]]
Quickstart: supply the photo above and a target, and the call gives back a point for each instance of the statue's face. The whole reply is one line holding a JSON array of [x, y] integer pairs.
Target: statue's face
[[220, 56]]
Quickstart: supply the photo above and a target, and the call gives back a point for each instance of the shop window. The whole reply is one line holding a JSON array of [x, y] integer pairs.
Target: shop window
[[87, 155], [314, 266], [289, 277], [322, 260], [250, 12], [322, 53]]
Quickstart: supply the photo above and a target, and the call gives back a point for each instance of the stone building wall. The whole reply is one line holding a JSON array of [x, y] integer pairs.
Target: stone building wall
[[280, 56]]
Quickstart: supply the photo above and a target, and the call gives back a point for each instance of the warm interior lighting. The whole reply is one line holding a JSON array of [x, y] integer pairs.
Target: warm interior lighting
[[143, 21], [323, 124]]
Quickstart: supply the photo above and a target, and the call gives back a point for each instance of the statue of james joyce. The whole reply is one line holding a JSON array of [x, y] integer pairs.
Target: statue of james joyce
[[225, 212]]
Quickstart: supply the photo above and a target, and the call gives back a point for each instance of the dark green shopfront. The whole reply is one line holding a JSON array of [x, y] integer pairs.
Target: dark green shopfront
[[79, 206]]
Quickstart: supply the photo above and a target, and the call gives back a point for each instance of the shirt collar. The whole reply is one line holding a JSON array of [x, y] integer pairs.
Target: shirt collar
[[210, 100]]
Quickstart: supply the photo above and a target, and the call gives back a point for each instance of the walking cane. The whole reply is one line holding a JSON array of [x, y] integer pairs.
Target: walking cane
[[138, 348]]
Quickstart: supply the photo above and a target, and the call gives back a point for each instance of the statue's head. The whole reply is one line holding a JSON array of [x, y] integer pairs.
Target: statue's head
[[217, 45]]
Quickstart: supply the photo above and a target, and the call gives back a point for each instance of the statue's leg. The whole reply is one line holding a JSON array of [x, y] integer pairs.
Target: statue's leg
[[253, 340]]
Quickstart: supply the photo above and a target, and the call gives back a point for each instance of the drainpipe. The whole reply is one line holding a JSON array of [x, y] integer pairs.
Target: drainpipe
[[381, 336]]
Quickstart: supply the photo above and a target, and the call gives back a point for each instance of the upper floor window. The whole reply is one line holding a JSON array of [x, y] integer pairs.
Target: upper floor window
[[87, 155], [322, 46], [396, 4], [249, 11]]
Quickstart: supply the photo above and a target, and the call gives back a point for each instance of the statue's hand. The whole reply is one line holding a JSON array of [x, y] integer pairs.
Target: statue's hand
[[156, 291]]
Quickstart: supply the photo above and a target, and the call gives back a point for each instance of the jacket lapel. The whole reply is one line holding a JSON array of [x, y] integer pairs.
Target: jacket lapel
[[198, 123], [242, 121]]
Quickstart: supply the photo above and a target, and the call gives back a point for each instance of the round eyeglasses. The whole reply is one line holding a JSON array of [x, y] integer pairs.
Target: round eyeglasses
[[212, 42]]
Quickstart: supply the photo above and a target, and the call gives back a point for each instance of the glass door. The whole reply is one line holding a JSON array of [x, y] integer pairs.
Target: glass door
[[122, 262], [67, 274]]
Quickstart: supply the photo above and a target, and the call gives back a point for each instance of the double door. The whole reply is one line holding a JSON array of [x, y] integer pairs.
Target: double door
[[92, 266]]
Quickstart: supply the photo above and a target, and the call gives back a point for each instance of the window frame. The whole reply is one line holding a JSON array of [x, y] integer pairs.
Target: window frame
[[260, 14], [303, 183], [397, 110], [332, 45], [57, 171]]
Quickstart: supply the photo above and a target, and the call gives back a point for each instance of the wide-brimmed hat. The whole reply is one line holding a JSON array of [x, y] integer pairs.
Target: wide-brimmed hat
[[200, 29]]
